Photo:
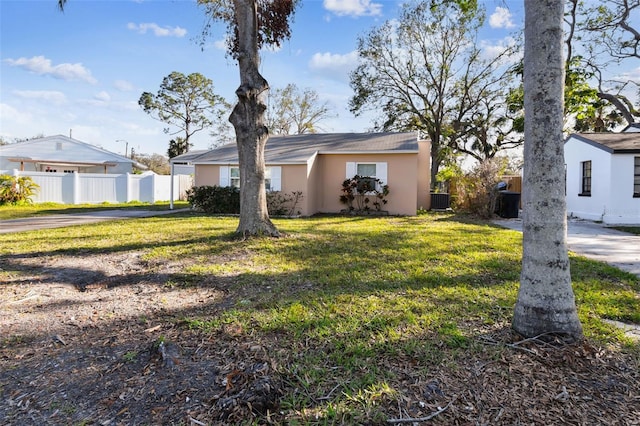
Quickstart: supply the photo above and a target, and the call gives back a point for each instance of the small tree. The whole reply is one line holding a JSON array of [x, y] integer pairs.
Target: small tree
[[187, 103], [476, 191]]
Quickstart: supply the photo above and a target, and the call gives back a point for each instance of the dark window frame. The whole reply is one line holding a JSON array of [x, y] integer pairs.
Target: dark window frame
[[636, 177], [585, 178]]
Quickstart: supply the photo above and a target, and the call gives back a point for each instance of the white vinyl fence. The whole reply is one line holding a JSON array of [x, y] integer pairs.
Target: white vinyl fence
[[94, 188]]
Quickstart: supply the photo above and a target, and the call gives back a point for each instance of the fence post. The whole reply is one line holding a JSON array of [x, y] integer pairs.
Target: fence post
[[76, 188], [153, 188], [127, 195]]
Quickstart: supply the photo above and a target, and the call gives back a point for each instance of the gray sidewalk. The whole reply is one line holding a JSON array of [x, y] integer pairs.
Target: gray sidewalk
[[61, 220], [597, 242]]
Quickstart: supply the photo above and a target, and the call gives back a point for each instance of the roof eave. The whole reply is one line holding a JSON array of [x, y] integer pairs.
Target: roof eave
[[385, 152]]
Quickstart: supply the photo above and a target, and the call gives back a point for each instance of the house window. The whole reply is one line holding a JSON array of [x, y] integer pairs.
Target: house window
[[234, 177], [267, 179], [367, 173], [230, 176], [636, 177], [585, 187]]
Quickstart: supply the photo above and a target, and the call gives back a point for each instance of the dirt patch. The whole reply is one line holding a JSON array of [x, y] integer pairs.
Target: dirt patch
[[101, 339]]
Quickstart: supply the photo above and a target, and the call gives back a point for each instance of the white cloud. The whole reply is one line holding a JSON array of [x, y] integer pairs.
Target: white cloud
[[42, 66], [631, 75], [491, 51], [501, 18], [50, 96], [102, 96], [353, 7], [220, 44], [13, 116], [334, 65], [123, 85], [157, 30]]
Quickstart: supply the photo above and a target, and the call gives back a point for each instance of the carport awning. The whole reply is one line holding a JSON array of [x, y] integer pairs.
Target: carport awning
[[22, 160]]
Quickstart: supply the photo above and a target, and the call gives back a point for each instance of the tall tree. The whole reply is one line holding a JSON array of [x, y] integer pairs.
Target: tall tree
[[187, 103], [546, 302], [252, 24], [294, 111], [600, 38], [425, 72]]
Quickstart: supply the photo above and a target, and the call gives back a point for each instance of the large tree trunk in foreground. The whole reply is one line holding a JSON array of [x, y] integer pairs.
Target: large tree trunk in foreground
[[248, 120], [545, 302]]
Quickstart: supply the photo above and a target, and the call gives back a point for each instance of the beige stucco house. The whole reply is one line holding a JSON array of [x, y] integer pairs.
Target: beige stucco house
[[317, 164]]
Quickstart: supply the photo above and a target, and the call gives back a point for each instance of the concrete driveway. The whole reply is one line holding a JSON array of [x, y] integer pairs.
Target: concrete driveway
[[60, 220], [597, 242]]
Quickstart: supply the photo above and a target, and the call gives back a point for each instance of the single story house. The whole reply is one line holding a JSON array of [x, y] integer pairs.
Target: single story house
[[317, 164], [61, 154], [603, 176]]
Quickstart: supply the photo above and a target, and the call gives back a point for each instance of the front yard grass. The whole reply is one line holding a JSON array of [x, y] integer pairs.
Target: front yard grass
[[630, 229], [358, 313]]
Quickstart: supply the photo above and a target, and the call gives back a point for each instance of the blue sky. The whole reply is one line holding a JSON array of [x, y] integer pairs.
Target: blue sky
[[84, 69]]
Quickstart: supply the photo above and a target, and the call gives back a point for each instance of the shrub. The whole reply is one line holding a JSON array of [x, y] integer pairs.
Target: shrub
[[281, 204], [17, 189], [476, 190], [226, 200], [215, 199], [360, 193]]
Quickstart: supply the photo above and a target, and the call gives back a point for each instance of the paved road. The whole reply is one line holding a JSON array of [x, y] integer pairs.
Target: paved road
[[597, 242], [60, 220]]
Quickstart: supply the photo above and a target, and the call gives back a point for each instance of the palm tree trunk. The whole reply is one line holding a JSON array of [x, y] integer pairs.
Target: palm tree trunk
[[545, 302]]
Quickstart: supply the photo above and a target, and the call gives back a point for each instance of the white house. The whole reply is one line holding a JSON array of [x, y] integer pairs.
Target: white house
[[603, 176], [70, 171], [61, 154]]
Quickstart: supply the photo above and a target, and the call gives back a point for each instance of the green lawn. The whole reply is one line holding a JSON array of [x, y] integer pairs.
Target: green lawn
[[44, 209], [351, 298], [630, 229]]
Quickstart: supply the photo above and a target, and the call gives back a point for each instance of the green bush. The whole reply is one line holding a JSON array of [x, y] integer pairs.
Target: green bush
[[17, 189], [281, 204], [215, 199], [360, 193], [226, 200]]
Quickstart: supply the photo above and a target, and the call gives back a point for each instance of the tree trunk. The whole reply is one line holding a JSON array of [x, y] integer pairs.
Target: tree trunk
[[248, 120], [545, 302]]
